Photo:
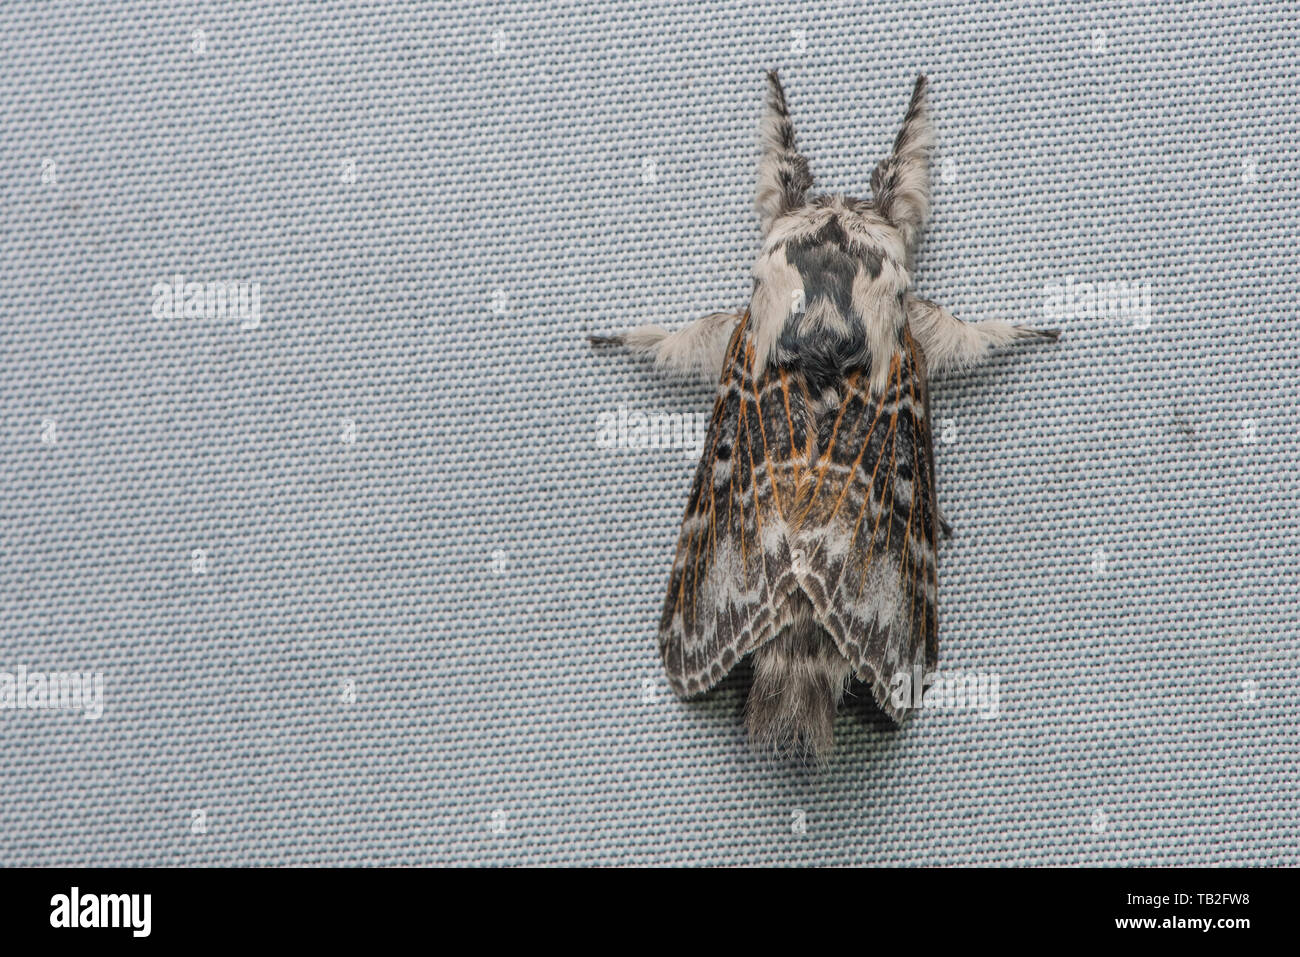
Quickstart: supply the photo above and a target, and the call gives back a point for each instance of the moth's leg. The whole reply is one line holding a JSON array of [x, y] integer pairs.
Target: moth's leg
[[698, 349], [952, 344]]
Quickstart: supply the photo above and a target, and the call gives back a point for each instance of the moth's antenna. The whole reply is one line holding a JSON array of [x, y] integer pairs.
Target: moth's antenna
[[783, 175], [900, 185]]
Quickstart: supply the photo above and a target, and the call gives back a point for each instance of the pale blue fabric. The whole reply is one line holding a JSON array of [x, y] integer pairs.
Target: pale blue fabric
[[482, 571]]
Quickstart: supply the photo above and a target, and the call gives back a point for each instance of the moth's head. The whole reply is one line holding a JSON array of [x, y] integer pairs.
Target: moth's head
[[852, 228], [900, 184]]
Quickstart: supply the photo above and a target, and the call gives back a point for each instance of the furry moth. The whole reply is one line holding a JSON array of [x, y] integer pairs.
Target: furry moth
[[810, 539]]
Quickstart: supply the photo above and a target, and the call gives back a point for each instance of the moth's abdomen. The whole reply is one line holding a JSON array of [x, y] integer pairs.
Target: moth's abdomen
[[799, 679]]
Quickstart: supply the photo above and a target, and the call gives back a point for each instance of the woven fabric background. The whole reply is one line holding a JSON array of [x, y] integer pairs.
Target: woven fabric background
[[366, 587]]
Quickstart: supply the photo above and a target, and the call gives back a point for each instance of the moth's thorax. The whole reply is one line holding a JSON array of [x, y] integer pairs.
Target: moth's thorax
[[829, 289]]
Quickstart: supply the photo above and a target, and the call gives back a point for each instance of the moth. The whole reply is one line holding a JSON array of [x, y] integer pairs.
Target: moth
[[810, 540]]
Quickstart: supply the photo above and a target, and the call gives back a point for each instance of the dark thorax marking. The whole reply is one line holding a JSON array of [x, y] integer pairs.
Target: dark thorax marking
[[828, 338]]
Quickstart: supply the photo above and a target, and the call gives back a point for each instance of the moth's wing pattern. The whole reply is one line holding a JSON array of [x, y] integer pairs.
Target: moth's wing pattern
[[867, 540], [732, 583]]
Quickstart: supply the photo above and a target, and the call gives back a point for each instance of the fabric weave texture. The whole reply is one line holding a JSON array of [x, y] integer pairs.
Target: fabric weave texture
[[366, 586]]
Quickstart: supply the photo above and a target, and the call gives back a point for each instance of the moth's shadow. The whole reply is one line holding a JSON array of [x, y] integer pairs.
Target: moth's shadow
[[859, 703]]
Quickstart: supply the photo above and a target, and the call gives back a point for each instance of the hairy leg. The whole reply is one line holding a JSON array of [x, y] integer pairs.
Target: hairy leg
[[951, 344], [697, 349]]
